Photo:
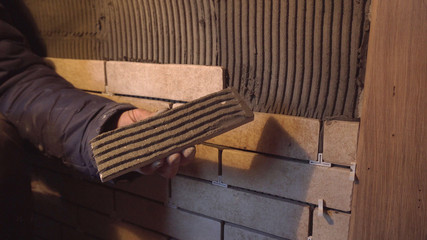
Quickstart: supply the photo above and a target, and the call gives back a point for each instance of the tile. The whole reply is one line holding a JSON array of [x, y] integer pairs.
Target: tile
[[147, 104], [46, 228], [205, 164], [69, 233], [83, 74], [282, 135], [294, 180], [104, 227], [169, 221], [340, 142], [232, 232], [89, 194], [166, 81], [153, 187], [125, 149], [270, 215], [332, 225]]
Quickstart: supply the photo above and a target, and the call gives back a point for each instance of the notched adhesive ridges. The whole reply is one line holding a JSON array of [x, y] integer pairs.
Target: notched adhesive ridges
[[126, 149]]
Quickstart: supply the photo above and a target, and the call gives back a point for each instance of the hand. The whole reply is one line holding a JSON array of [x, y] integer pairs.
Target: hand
[[167, 167]]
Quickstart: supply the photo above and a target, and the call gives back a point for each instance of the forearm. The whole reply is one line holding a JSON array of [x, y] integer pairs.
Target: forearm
[[47, 110]]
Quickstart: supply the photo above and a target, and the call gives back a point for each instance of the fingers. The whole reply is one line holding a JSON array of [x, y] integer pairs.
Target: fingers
[[187, 155], [171, 166], [152, 168], [133, 116]]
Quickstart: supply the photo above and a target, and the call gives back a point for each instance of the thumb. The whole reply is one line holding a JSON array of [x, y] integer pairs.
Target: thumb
[[133, 116]]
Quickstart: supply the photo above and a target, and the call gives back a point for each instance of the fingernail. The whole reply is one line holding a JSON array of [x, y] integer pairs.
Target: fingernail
[[157, 164], [174, 157], [188, 152]]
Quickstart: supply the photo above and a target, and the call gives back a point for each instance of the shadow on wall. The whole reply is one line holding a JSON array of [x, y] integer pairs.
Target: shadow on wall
[[276, 177]]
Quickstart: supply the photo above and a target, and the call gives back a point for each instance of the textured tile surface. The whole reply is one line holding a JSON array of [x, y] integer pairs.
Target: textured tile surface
[[265, 214], [331, 226], [167, 81], [170, 221], [232, 232], [290, 179], [340, 142], [125, 149], [282, 135], [205, 164], [83, 74]]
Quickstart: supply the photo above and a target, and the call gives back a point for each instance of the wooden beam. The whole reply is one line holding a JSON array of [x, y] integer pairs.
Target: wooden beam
[[390, 200]]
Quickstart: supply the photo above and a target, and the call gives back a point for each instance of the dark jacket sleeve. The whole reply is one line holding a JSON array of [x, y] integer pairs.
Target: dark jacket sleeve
[[47, 110]]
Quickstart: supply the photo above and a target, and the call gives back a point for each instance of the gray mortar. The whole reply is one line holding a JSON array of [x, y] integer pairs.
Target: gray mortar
[[302, 58]]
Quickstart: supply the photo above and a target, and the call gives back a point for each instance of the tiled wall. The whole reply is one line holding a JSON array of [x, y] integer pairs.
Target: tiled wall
[[254, 182]]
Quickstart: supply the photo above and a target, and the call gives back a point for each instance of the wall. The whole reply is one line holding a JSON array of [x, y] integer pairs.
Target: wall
[[301, 57], [255, 182]]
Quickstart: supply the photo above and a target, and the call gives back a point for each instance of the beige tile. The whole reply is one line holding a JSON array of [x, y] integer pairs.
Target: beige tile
[[289, 179], [205, 164], [147, 104], [170, 221], [340, 142], [83, 74], [282, 135], [105, 227], [167, 81], [273, 216], [331, 226], [153, 187], [232, 232]]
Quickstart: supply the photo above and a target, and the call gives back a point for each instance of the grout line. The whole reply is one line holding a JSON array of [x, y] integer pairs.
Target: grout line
[[149, 98], [105, 78], [219, 162], [301, 161], [255, 231], [310, 221], [321, 133]]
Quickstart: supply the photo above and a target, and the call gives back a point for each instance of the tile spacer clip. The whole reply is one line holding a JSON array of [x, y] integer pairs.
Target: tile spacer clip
[[320, 161], [352, 171], [219, 183]]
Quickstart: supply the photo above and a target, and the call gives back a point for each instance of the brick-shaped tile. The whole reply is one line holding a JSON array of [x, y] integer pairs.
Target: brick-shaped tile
[[153, 187], [340, 141], [104, 227], [282, 135], [332, 225], [83, 74], [233, 232], [46, 228], [167, 81], [169, 221], [205, 164], [294, 180], [270, 215]]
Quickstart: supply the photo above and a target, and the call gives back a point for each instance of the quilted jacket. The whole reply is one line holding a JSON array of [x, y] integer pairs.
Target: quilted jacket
[[57, 118]]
